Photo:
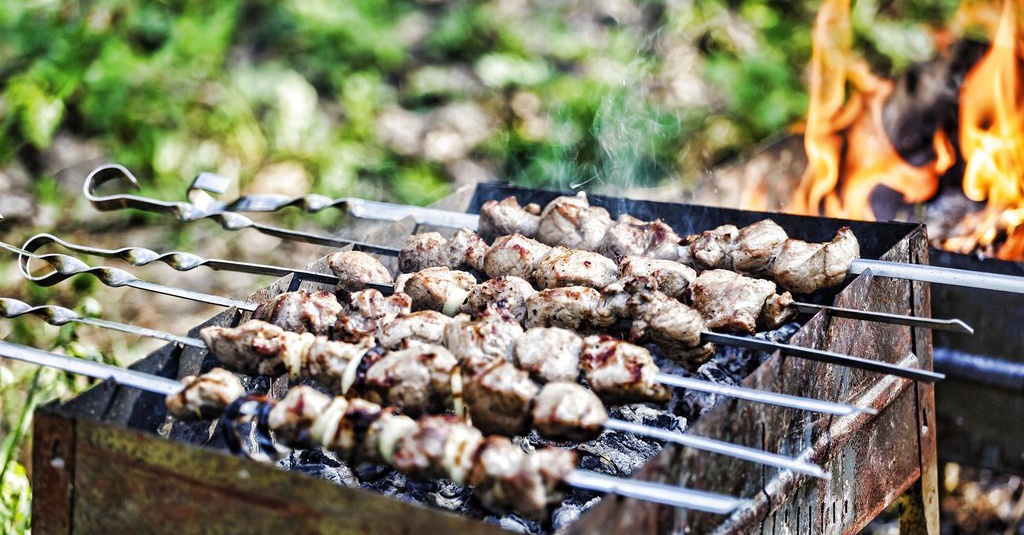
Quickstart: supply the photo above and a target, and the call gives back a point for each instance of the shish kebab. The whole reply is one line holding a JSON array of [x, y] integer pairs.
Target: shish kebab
[[673, 278], [427, 379], [65, 267], [226, 215], [400, 330], [504, 476]]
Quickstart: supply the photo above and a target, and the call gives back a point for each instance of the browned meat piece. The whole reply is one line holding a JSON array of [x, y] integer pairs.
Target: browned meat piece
[[292, 418], [778, 310], [355, 269], [553, 465], [342, 434], [507, 292], [301, 311], [430, 249], [514, 255], [507, 478], [756, 247], [205, 396], [575, 308], [507, 217], [712, 249], [334, 364], [674, 327], [294, 349], [549, 354], [422, 251], [729, 301], [572, 222], [499, 399], [466, 249], [252, 348], [367, 312], [620, 372], [415, 380], [383, 434], [672, 277], [482, 341], [570, 267], [438, 288], [804, 268], [568, 411], [630, 236], [422, 327], [441, 446]]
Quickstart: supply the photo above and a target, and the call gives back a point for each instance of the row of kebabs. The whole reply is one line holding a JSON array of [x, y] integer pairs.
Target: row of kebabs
[[762, 249], [504, 476]]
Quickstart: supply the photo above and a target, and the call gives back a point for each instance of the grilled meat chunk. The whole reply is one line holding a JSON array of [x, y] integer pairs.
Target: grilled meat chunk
[[415, 380], [292, 418], [569, 267], [499, 399], [674, 327], [355, 269], [343, 424], [430, 249], [630, 236], [422, 327], [205, 396], [441, 446], [466, 249], [549, 354], [732, 302], [712, 249], [507, 292], [514, 255], [437, 288], [501, 218], [620, 372], [334, 364], [568, 411], [572, 222], [383, 434], [301, 311], [756, 247], [252, 348], [484, 340], [507, 478], [672, 277], [422, 251], [575, 308], [367, 312], [804, 268], [778, 310]]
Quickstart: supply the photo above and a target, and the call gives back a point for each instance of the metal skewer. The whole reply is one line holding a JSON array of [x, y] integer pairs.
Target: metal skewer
[[585, 479], [206, 206], [55, 315], [67, 266], [184, 261]]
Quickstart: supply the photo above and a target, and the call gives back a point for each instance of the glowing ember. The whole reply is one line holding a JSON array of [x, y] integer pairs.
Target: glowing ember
[[992, 143], [848, 151]]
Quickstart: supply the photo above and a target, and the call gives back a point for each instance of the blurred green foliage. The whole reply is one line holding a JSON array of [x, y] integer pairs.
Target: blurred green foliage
[[399, 100]]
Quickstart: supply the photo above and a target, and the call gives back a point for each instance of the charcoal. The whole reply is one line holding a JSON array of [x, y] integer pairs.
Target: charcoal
[[320, 463], [571, 510]]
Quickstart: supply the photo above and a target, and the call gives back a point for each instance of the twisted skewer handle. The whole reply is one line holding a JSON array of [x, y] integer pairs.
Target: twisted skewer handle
[[206, 183], [58, 316], [65, 267]]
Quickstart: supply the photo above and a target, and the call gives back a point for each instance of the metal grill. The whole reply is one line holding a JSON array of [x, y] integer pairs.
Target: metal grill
[[163, 475]]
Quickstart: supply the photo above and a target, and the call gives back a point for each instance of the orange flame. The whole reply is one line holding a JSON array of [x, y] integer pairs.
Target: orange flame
[[848, 151], [992, 142]]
